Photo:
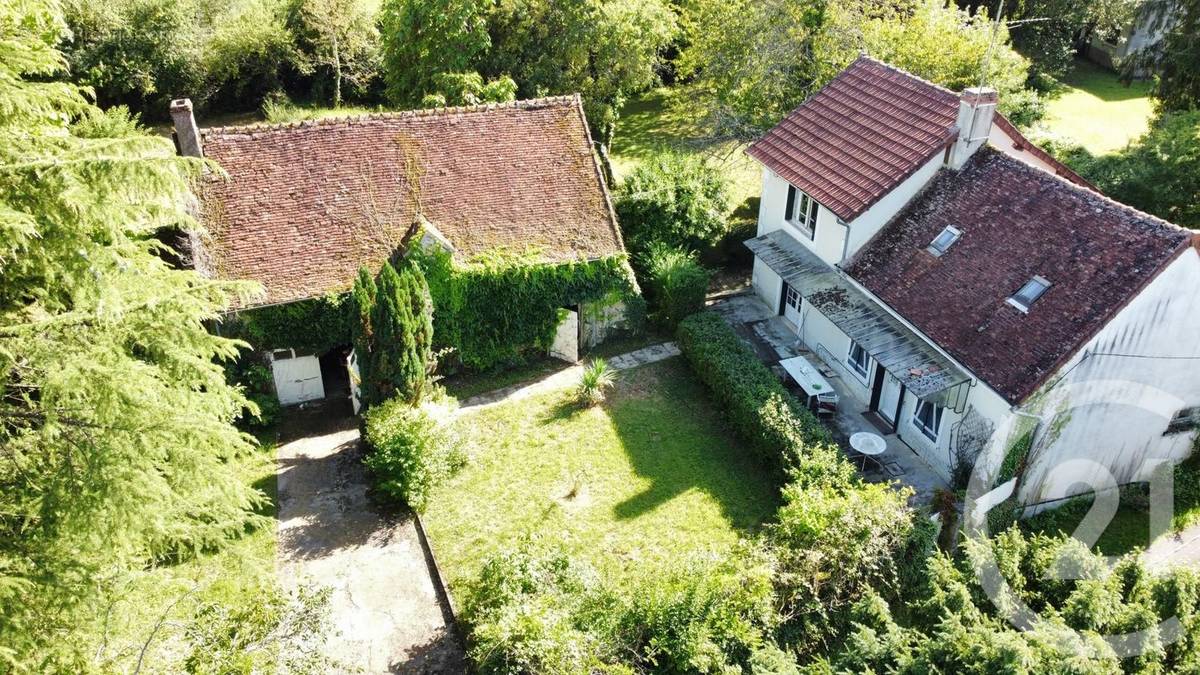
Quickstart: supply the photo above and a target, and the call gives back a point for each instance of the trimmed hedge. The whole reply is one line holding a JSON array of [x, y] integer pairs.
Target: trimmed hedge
[[783, 433]]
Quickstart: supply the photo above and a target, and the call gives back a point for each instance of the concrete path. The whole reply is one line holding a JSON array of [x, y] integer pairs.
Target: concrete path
[[568, 377], [385, 611], [1176, 549]]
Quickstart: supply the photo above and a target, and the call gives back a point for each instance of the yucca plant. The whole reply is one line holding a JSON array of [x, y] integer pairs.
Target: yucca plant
[[596, 378]]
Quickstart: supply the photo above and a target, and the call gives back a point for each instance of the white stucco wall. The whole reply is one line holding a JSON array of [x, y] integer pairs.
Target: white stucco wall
[[873, 219], [772, 210], [1106, 414], [1000, 140]]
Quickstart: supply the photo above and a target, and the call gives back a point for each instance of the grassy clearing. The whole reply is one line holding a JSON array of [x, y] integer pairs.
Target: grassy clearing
[[644, 478], [1097, 111], [649, 124], [167, 595]]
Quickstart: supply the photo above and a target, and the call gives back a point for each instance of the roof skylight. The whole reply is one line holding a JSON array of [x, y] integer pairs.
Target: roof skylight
[[1029, 293], [944, 240]]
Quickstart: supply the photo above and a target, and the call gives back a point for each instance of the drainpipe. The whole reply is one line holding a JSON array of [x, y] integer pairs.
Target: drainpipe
[[845, 241]]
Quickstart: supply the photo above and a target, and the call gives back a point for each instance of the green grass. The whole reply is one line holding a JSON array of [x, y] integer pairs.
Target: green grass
[[644, 478], [650, 123], [1097, 111]]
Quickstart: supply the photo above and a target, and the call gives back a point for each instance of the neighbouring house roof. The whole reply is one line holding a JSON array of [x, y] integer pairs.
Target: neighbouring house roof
[[1017, 221], [924, 371], [305, 205], [860, 136]]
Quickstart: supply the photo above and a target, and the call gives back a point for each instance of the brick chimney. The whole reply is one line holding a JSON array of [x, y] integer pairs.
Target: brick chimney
[[187, 134], [976, 109]]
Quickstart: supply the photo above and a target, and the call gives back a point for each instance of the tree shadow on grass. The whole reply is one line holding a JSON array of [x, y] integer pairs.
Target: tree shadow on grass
[[675, 437]]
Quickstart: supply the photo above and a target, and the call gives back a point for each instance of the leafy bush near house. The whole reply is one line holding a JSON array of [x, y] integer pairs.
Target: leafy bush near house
[[673, 199], [258, 384], [409, 452], [674, 282], [499, 307], [780, 430]]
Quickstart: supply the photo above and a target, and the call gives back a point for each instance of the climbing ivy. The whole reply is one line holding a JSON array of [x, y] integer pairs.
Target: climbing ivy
[[315, 325], [497, 307]]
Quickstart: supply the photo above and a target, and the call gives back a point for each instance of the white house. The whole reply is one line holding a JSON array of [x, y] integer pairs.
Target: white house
[[965, 282]]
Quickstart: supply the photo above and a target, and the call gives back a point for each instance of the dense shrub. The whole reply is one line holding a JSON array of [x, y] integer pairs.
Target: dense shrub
[[536, 610], [1158, 173], [314, 326], [409, 452], [674, 199], [498, 308], [780, 430], [674, 283]]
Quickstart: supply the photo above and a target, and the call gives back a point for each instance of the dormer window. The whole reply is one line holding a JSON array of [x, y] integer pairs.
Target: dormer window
[[1029, 293], [802, 211], [944, 241]]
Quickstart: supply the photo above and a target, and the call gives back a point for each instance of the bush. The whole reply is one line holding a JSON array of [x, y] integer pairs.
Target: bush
[[673, 199], [674, 283], [536, 610], [779, 429], [597, 376], [409, 452]]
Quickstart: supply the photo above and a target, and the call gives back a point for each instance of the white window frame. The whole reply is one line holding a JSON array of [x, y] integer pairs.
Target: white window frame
[[804, 211], [930, 433], [787, 296], [1019, 302], [853, 365], [939, 251]]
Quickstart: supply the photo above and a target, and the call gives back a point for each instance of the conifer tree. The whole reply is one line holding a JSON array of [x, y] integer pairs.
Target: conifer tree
[[114, 410], [361, 335]]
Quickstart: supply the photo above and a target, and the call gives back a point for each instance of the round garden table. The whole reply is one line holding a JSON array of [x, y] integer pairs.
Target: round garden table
[[868, 446]]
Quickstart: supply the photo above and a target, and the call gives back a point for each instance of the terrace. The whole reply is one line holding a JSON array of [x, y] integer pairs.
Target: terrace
[[773, 340]]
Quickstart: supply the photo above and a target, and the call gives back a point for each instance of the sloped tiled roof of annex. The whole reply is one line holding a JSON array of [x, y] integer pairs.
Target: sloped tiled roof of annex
[[306, 204], [1017, 221], [860, 136]]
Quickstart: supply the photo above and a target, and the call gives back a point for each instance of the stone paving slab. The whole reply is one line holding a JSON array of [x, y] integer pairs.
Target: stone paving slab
[[569, 376]]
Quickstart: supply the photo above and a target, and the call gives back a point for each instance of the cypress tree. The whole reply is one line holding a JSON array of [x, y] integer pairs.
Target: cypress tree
[[361, 336], [401, 342]]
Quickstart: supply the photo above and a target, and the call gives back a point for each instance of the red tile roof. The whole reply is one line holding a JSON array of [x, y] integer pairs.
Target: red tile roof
[[305, 205], [1017, 221], [860, 136]]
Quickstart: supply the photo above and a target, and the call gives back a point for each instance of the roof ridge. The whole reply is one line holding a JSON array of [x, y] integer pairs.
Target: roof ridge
[[1089, 192], [520, 104]]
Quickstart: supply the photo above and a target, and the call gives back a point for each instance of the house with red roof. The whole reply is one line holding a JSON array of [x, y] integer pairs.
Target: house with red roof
[[299, 208], [972, 291]]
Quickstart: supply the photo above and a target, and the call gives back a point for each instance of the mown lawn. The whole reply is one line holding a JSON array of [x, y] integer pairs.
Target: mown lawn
[[1097, 111], [649, 124], [646, 477]]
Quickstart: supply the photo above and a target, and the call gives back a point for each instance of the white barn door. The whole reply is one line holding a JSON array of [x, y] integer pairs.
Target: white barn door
[[297, 378]]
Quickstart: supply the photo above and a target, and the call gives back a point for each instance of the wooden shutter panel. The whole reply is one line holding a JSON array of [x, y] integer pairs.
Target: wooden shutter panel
[[790, 211]]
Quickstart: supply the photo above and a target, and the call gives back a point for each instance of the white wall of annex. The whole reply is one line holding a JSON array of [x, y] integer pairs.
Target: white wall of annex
[[873, 219], [1106, 414]]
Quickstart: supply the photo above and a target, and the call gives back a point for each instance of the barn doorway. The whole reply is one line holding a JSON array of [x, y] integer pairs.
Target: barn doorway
[[334, 375]]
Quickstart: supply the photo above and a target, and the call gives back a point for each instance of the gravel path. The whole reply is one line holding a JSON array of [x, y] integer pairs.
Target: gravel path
[[386, 613]]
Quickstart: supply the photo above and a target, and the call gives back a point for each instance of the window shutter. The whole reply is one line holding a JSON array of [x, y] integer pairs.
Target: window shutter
[[791, 203]]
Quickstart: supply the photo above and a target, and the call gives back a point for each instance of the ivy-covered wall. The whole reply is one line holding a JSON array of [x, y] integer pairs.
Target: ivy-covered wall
[[315, 326], [498, 307]]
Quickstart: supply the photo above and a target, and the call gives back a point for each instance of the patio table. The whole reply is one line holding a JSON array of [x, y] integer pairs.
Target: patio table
[[868, 445], [821, 397]]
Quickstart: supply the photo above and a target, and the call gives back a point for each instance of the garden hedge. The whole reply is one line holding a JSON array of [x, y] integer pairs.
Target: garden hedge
[[783, 433]]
